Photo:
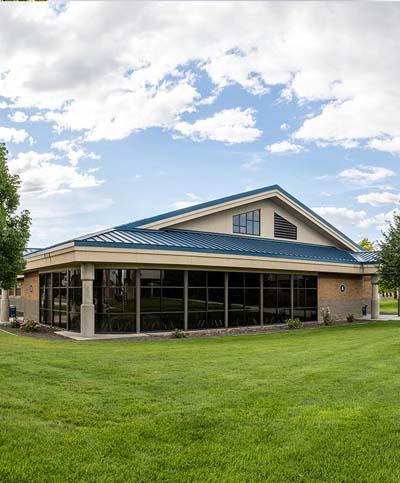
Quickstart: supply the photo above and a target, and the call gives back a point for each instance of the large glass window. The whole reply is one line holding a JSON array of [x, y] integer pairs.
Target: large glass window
[[162, 300], [60, 299], [244, 299], [206, 300], [305, 297], [247, 223], [277, 306], [115, 300]]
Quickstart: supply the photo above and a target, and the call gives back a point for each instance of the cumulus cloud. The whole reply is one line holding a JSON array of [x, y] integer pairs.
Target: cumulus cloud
[[192, 199], [379, 199], [364, 175], [18, 116], [12, 135], [42, 175], [389, 145], [231, 126], [342, 217], [144, 72], [284, 147], [346, 217]]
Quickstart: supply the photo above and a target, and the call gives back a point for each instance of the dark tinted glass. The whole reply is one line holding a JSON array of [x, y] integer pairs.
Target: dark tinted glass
[[150, 278], [299, 298], [283, 281], [270, 280], [197, 299], [172, 278], [216, 279], [150, 299], [311, 298], [216, 299], [311, 281], [236, 279], [75, 278], [253, 280], [270, 298], [172, 300], [236, 299], [283, 298], [197, 279]]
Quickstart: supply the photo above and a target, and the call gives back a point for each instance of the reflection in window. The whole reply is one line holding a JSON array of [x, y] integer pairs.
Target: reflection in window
[[60, 298], [115, 300], [206, 300]]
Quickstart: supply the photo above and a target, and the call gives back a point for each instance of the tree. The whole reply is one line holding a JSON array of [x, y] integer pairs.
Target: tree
[[14, 225], [367, 245], [389, 257]]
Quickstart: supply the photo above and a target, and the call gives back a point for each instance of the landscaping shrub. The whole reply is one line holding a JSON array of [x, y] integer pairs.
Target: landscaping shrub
[[178, 334], [15, 324], [29, 326], [350, 318], [327, 316], [294, 323]]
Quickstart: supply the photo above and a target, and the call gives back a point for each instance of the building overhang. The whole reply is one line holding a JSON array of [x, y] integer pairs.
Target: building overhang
[[72, 255]]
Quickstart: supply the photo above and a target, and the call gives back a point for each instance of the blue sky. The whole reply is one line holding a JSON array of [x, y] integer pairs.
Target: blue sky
[[114, 113]]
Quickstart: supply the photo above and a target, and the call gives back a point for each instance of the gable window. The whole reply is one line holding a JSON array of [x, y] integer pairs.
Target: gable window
[[247, 223], [283, 228]]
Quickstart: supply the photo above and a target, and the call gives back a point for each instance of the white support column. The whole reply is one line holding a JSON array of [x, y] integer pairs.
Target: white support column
[[185, 300], [5, 305], [375, 297], [87, 307]]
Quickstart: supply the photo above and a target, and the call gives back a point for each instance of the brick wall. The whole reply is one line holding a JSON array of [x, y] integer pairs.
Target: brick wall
[[357, 293], [28, 303]]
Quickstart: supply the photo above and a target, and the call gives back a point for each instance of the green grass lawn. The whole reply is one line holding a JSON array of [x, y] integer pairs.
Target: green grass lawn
[[388, 306], [299, 406]]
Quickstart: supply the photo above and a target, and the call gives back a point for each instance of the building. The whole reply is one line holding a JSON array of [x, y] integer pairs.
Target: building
[[254, 258]]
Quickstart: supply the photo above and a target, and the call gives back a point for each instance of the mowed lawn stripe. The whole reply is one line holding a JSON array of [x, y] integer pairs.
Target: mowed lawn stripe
[[309, 405]]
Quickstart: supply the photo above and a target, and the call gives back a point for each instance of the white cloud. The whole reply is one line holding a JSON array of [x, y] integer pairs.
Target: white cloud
[[342, 217], [191, 200], [143, 73], [73, 150], [284, 147], [40, 174], [284, 127], [364, 175], [346, 217], [389, 145], [379, 199], [12, 135], [18, 116], [230, 126]]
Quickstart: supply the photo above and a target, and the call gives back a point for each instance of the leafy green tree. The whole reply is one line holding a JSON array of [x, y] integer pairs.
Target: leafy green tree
[[367, 245], [14, 225], [389, 257]]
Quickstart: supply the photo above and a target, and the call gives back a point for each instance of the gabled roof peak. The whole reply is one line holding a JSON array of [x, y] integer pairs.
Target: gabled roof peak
[[145, 222], [200, 206]]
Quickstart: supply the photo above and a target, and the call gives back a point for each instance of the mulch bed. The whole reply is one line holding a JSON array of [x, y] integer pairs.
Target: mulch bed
[[44, 333], [50, 333]]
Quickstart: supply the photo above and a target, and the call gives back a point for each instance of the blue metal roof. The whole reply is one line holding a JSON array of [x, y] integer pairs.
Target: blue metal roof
[[265, 189], [205, 242]]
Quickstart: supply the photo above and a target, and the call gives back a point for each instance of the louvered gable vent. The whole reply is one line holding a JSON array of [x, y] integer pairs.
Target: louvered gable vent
[[283, 228]]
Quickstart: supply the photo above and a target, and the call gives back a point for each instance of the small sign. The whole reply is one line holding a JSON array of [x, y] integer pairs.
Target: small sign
[[342, 288]]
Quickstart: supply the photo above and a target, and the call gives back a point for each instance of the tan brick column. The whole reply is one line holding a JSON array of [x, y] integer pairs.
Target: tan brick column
[[5, 304], [375, 297], [87, 307]]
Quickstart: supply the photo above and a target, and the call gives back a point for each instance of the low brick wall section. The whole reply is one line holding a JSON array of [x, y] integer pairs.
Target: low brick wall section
[[357, 292], [28, 304]]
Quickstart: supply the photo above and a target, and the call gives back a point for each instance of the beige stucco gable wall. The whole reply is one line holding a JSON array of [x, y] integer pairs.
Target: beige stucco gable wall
[[221, 222]]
